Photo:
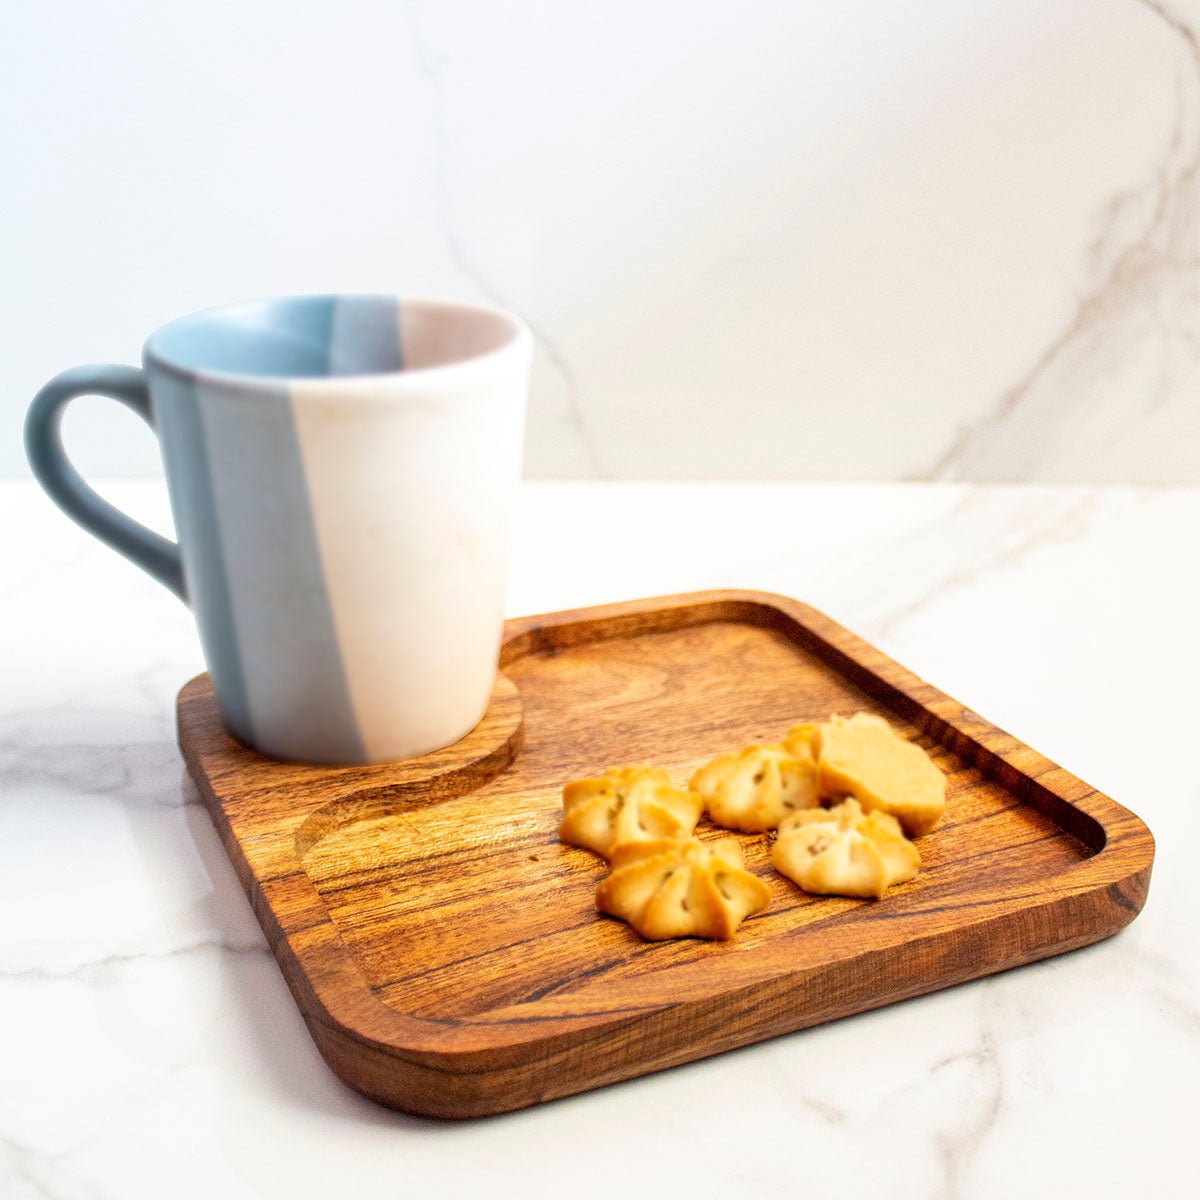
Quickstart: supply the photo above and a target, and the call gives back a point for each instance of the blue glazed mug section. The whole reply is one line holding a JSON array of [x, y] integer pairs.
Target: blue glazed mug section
[[53, 470]]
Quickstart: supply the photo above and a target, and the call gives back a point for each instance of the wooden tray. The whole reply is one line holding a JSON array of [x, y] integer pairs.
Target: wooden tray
[[444, 948]]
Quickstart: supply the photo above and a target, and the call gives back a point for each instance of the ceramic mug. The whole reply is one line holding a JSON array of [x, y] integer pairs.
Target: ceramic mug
[[341, 472]]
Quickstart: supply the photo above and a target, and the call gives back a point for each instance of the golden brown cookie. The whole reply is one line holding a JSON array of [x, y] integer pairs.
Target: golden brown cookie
[[625, 804], [803, 742], [864, 757], [843, 852], [681, 887], [754, 788]]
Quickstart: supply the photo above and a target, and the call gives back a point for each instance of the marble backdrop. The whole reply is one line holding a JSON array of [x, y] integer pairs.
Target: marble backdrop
[[929, 240]]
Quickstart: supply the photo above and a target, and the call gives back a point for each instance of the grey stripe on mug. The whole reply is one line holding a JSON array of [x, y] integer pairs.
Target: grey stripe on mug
[[365, 338], [299, 701], [185, 456]]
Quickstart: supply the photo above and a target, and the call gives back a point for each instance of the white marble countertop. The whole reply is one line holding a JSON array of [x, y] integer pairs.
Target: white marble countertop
[[152, 1049]]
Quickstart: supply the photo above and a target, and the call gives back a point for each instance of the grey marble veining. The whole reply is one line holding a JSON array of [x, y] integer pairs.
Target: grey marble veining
[[1127, 355], [429, 67]]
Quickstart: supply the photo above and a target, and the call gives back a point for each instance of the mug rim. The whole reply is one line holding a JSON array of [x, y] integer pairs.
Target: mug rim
[[519, 337]]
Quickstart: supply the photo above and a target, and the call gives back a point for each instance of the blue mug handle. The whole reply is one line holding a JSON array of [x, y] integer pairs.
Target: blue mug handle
[[156, 555]]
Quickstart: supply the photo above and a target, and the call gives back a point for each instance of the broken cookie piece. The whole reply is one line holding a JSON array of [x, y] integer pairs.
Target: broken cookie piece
[[843, 851], [681, 887], [864, 757], [754, 788], [626, 804]]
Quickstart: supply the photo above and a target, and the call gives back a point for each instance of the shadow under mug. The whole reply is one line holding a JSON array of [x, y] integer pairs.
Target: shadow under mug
[[341, 472]]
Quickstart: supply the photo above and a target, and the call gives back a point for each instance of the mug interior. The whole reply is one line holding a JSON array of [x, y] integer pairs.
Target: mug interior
[[314, 337]]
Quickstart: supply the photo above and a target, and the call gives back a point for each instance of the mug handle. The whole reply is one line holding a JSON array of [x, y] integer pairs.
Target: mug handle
[[155, 554]]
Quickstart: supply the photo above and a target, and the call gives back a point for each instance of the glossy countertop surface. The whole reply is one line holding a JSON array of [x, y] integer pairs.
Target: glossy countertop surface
[[151, 1048]]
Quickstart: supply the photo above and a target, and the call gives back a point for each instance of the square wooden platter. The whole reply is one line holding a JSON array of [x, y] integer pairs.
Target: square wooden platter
[[444, 947]]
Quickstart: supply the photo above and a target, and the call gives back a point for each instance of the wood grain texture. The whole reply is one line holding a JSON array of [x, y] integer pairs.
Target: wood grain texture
[[444, 947]]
